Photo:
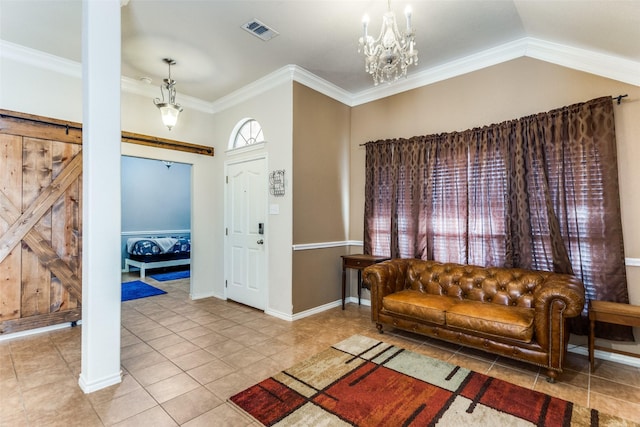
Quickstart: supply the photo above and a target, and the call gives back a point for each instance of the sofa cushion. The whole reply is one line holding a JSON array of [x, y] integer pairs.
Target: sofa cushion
[[492, 319], [416, 304]]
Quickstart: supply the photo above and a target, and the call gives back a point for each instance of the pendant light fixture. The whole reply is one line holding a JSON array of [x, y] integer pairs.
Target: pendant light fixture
[[169, 110]]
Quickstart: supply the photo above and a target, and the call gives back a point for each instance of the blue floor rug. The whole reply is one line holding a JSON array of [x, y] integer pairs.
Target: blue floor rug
[[138, 289], [173, 275]]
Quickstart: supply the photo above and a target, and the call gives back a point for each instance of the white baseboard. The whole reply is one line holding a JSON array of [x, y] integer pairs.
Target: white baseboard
[[317, 310], [206, 295], [278, 314], [36, 331], [99, 384], [605, 355], [363, 301]]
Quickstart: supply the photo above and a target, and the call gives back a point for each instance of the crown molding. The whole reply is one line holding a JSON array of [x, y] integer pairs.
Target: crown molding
[[268, 82], [608, 66], [67, 67], [468, 64], [604, 65], [283, 75], [600, 64], [321, 85], [39, 59]]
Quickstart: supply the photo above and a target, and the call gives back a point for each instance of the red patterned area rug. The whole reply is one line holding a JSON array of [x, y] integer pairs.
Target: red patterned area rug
[[365, 382]]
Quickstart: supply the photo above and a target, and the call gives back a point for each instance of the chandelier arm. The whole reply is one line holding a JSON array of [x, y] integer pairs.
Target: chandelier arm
[[396, 32], [382, 33]]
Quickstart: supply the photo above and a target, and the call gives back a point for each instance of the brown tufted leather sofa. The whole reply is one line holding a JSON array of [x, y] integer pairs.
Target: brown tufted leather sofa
[[511, 312]]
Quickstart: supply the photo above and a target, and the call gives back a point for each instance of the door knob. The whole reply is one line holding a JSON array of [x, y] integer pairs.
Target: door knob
[[260, 242]]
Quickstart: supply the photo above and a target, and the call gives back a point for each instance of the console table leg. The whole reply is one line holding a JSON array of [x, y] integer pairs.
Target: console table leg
[[358, 262], [592, 326], [344, 274]]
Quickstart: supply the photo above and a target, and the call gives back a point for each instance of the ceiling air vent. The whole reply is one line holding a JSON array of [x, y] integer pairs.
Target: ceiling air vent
[[260, 30]]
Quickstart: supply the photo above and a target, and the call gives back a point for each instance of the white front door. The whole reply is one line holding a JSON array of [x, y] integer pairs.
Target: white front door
[[245, 249]]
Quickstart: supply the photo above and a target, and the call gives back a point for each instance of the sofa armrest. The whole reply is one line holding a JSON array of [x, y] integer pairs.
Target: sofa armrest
[[384, 279], [560, 297]]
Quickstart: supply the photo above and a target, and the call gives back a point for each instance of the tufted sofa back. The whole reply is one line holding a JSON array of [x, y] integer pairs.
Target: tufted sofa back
[[487, 284]]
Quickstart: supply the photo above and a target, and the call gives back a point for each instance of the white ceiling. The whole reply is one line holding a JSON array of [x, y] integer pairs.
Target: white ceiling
[[215, 56]]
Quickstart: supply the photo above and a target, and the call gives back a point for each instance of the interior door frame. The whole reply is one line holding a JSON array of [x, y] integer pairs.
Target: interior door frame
[[235, 161]]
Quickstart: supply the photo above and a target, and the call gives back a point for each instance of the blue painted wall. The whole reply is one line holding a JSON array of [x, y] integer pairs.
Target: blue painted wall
[[155, 197]]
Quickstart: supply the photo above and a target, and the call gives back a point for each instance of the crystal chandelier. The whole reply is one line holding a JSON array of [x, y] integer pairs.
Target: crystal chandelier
[[169, 110], [388, 57]]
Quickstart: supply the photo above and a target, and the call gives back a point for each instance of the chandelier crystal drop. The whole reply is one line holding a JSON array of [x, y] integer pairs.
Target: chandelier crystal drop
[[388, 57], [168, 110]]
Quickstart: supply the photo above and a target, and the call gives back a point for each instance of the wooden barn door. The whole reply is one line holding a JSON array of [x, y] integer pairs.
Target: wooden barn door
[[40, 222]]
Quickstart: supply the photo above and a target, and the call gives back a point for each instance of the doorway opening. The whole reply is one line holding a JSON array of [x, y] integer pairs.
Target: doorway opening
[[156, 223]]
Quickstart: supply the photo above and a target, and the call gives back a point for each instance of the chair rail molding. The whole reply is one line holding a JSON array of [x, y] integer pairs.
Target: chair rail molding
[[632, 262], [325, 245]]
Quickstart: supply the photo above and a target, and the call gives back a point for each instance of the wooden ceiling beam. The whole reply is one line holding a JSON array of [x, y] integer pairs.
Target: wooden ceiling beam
[[23, 124]]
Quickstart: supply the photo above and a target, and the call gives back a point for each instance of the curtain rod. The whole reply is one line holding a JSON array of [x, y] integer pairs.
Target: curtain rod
[[619, 97]]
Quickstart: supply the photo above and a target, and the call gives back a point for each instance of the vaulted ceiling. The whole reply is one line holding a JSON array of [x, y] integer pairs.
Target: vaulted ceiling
[[216, 57]]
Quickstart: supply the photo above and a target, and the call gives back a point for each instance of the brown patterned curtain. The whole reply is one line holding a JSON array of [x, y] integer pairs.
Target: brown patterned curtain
[[539, 192], [381, 202]]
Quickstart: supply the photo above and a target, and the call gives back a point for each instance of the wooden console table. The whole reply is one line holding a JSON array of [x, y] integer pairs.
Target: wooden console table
[[610, 312], [358, 262]]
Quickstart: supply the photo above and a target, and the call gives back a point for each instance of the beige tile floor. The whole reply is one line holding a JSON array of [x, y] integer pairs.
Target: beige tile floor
[[182, 359]]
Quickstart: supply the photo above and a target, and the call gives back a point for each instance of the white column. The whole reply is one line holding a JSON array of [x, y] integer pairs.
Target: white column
[[101, 195]]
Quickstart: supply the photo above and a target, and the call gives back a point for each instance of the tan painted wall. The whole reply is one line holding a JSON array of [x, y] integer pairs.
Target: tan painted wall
[[321, 166], [320, 195], [492, 95], [317, 278]]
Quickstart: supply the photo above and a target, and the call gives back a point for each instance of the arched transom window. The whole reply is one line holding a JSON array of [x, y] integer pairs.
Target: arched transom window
[[248, 132]]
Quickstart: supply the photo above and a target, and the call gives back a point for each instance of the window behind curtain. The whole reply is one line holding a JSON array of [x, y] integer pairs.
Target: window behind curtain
[[540, 192]]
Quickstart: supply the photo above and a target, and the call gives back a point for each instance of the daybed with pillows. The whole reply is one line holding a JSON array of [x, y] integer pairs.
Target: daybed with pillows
[[516, 313], [156, 252]]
